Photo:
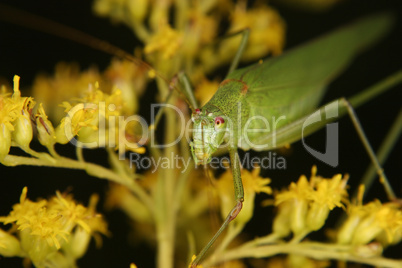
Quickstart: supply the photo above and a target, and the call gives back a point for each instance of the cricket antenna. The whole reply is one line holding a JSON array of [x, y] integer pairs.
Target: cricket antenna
[[212, 200], [28, 20], [38, 23], [208, 175]]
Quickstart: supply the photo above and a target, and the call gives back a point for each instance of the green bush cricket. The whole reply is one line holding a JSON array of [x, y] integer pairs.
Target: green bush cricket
[[265, 90], [209, 118]]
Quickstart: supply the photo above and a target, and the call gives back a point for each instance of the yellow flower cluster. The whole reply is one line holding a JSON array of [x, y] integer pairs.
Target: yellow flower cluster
[[15, 120], [304, 207], [97, 119], [68, 82], [56, 231], [266, 36], [187, 42], [372, 221], [166, 41]]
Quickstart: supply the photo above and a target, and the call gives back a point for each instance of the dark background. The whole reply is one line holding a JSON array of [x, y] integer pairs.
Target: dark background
[[26, 52]]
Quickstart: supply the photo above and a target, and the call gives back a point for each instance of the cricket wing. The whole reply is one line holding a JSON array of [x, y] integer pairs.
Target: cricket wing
[[285, 88], [299, 77]]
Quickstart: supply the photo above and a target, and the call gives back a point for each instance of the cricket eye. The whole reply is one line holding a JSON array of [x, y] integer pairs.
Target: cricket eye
[[219, 121]]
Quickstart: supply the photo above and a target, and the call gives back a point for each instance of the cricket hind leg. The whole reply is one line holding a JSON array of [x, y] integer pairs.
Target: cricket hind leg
[[303, 127], [382, 154], [298, 129], [363, 138]]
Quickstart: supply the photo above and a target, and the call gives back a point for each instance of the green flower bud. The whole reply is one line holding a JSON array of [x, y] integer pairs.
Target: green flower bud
[[78, 243], [281, 224], [316, 216], [367, 230], [9, 245], [298, 216], [61, 135], [45, 128], [5, 141], [347, 230], [22, 134]]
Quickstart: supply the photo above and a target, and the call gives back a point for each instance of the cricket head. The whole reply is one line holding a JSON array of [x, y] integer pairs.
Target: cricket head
[[208, 133]]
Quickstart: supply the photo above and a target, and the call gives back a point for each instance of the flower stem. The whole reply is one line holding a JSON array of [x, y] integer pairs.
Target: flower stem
[[92, 169], [319, 251]]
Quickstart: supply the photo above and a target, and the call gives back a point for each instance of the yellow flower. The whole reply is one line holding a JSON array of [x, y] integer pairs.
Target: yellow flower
[[15, 119], [374, 220], [267, 33], [327, 195], [125, 11], [45, 128], [79, 116], [297, 199], [9, 245], [310, 201], [67, 82], [330, 193], [8, 111], [97, 121], [299, 190], [284, 223], [131, 79], [200, 30], [22, 134], [46, 227], [166, 41], [8, 114]]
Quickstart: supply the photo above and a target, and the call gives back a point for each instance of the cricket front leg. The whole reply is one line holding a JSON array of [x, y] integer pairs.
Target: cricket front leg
[[239, 196]]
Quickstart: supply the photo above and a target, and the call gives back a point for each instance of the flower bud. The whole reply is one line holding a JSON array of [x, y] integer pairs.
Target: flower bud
[[5, 141], [45, 128], [298, 216], [22, 134], [316, 216], [386, 239], [281, 224], [348, 228], [9, 245], [60, 134], [78, 243], [367, 230], [38, 249], [91, 137]]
